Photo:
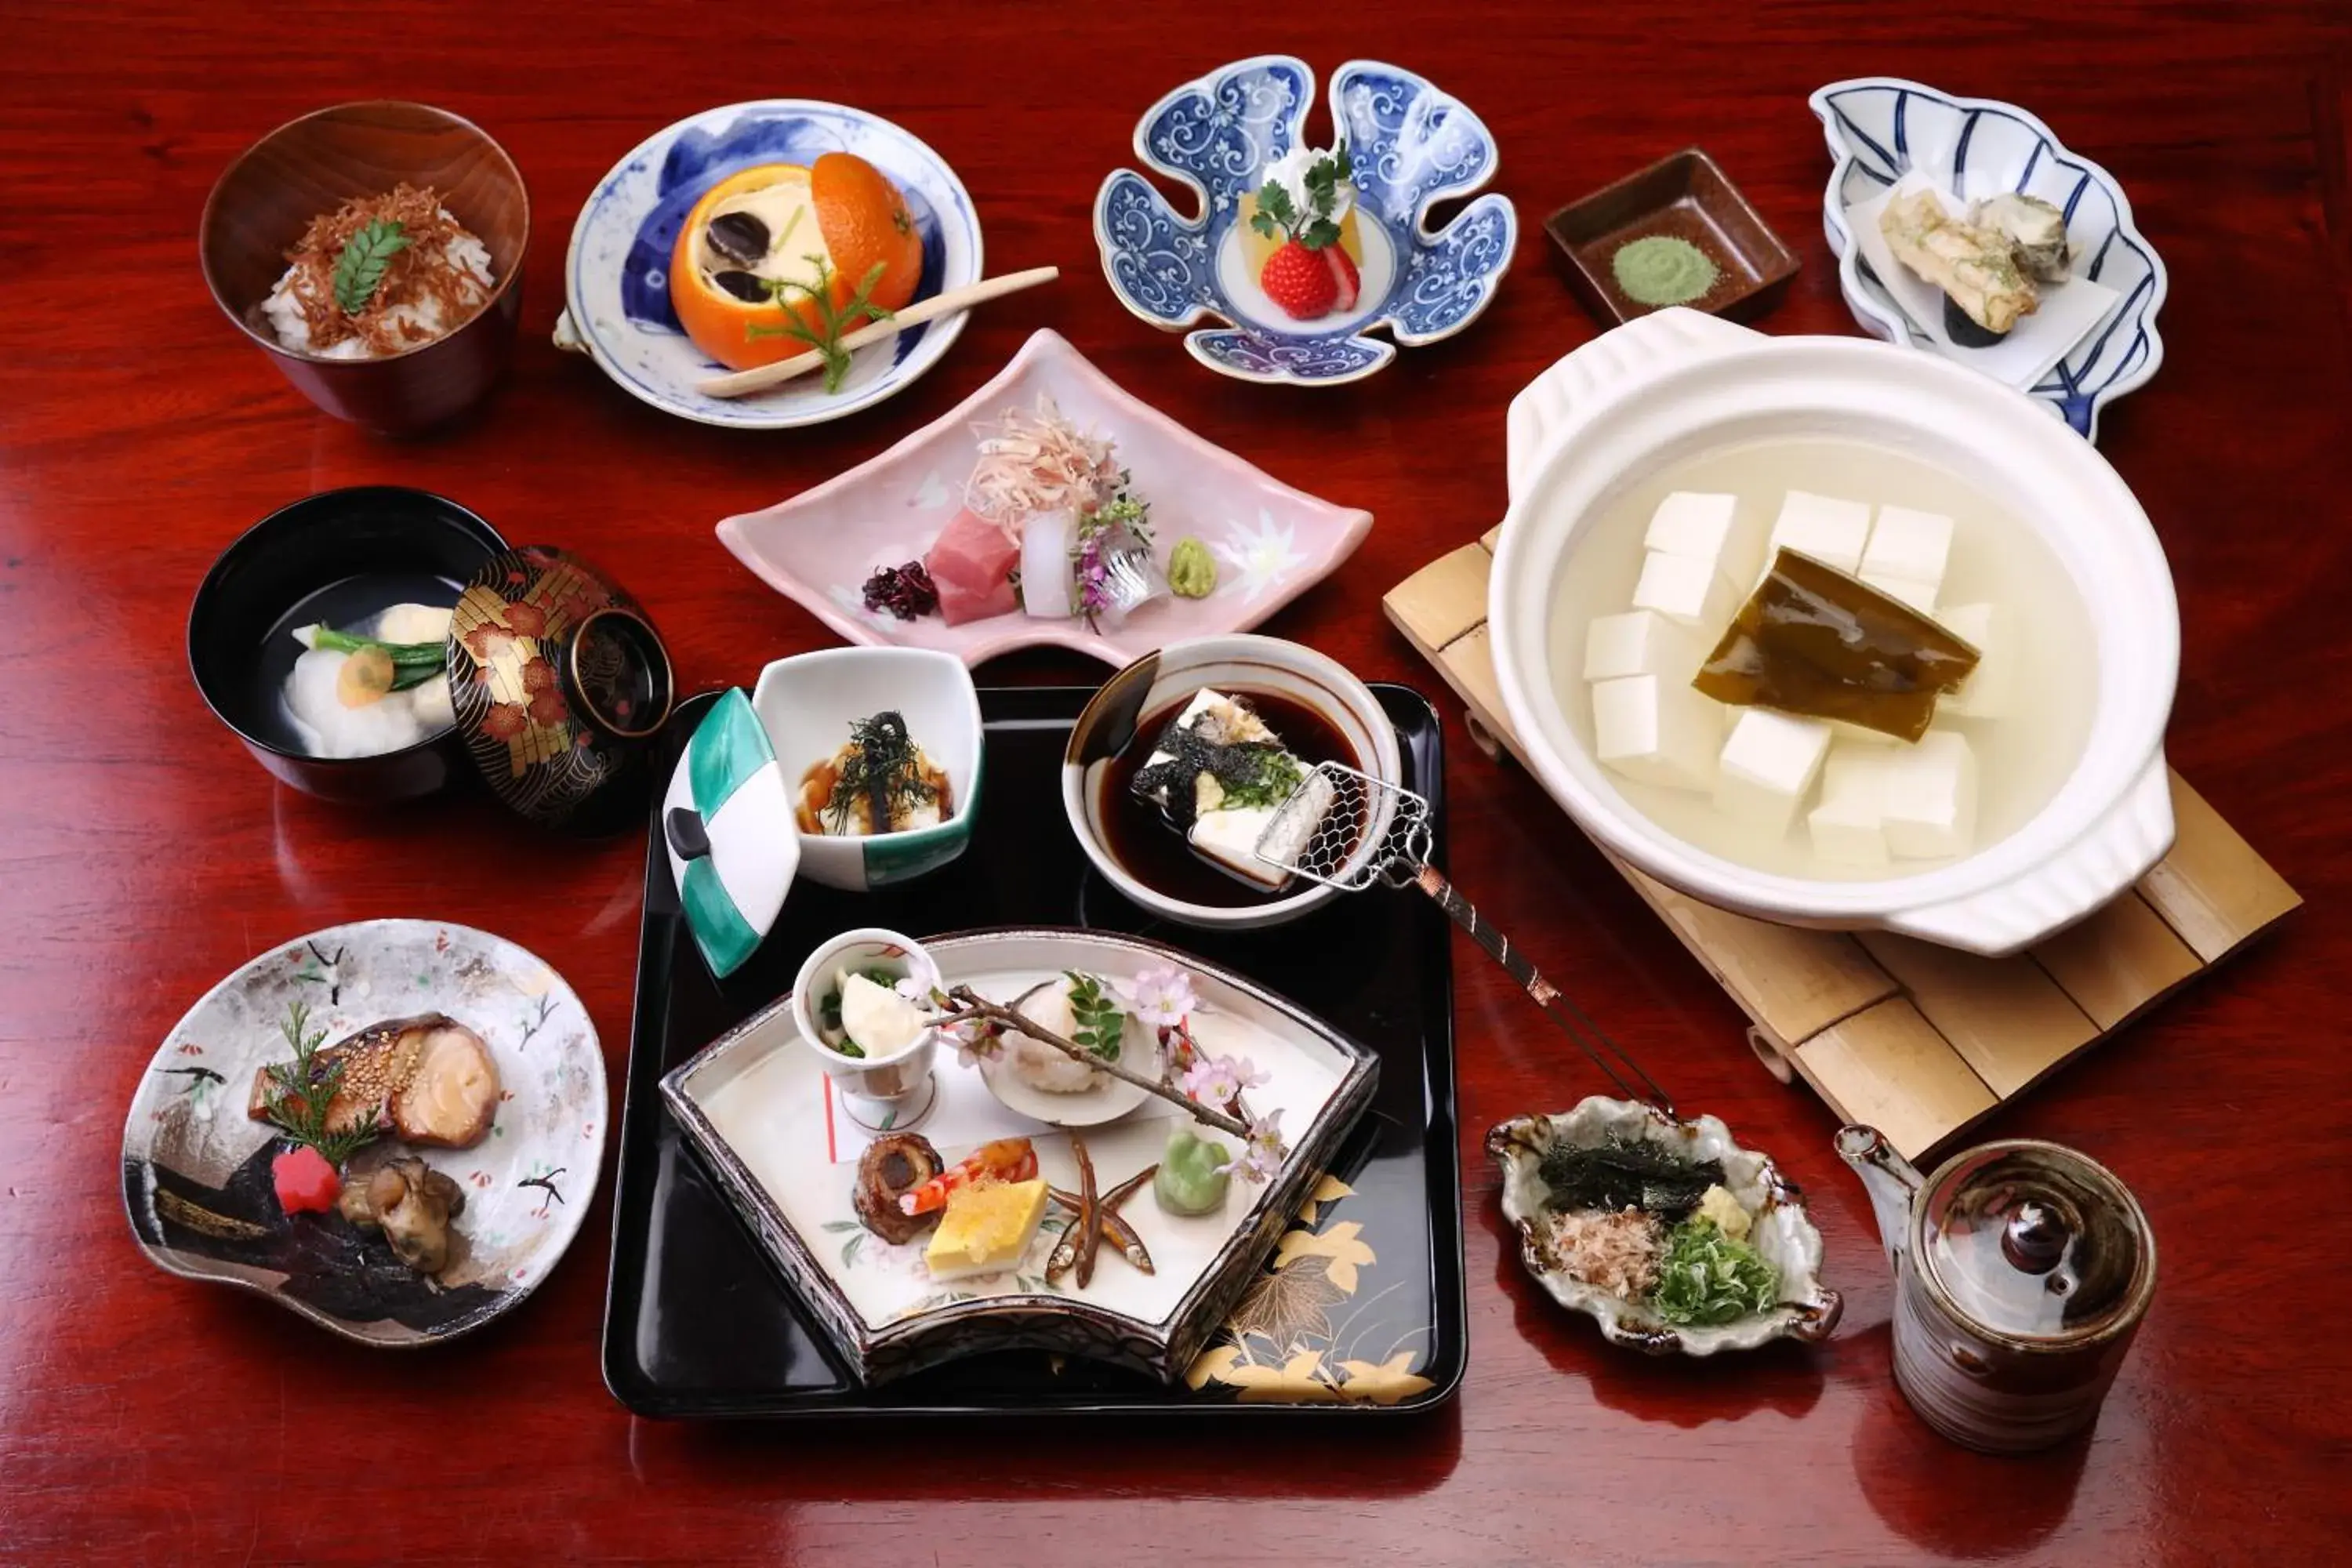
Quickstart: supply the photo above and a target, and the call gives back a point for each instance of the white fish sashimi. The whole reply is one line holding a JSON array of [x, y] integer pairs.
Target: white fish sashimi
[[1047, 584]]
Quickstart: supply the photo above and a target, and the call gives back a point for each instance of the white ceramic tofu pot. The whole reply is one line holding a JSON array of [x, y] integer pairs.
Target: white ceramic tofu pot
[[1673, 384]]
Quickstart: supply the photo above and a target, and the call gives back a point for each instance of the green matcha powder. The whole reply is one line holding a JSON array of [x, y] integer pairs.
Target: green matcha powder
[[1659, 269]]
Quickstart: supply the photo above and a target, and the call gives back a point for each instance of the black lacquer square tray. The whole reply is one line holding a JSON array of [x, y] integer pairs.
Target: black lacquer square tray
[[1360, 1310]]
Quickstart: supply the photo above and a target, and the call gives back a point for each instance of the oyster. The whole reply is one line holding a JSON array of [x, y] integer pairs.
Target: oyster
[[412, 1204], [2036, 232]]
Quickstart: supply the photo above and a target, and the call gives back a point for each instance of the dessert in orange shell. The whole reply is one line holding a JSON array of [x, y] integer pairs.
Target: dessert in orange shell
[[773, 224]]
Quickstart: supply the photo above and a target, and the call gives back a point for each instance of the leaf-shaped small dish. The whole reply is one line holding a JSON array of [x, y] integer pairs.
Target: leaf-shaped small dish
[[195, 1169], [1412, 145], [1782, 1234], [1881, 128], [616, 276], [1270, 542]]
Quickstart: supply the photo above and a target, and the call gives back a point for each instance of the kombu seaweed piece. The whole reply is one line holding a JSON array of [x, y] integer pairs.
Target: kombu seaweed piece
[[1814, 641], [1626, 1175]]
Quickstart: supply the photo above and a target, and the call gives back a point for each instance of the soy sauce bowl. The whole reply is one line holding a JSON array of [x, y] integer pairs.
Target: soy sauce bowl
[[1121, 715], [336, 556]]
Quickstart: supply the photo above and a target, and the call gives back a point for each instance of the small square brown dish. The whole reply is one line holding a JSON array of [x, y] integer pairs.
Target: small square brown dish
[[1687, 235]]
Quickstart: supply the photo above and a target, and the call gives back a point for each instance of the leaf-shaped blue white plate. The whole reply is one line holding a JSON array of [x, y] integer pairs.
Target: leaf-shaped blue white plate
[[1879, 128], [1412, 145], [616, 278]]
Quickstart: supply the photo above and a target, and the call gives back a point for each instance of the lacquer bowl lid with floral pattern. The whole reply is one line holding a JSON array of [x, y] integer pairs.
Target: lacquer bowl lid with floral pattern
[[559, 681]]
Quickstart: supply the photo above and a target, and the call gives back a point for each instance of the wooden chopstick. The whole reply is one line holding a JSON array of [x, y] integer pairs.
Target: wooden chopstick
[[767, 375]]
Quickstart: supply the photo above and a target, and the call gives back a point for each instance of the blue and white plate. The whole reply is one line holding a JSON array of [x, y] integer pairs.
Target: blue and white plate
[[1412, 145], [616, 278], [1879, 128]]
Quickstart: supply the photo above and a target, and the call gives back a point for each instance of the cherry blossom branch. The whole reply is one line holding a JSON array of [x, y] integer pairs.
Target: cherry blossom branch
[[964, 1002]]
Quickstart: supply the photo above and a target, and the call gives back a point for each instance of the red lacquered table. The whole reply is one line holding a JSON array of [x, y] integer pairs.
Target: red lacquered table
[[142, 854]]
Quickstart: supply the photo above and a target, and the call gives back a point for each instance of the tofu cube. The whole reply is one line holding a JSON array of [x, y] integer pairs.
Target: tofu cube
[[1657, 730], [1989, 691], [1850, 824], [1931, 798], [1769, 766], [1918, 593], [1686, 590], [1913, 545], [1705, 525], [1640, 642], [1833, 533]]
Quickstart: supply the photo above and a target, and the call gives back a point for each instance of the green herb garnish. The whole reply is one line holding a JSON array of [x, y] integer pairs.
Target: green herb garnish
[[412, 663], [832, 324], [360, 267], [1278, 217], [1707, 1279], [1266, 777], [299, 1092], [1101, 1019]]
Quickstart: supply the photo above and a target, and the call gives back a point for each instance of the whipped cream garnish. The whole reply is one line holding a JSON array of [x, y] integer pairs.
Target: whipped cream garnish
[[1289, 171]]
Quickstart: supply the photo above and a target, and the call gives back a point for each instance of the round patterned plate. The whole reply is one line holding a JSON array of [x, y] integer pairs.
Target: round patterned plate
[[1411, 146], [616, 278], [195, 1168]]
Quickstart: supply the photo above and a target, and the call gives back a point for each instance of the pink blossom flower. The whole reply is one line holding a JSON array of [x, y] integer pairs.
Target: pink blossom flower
[[1219, 1081], [976, 1040], [1161, 997], [1264, 1156]]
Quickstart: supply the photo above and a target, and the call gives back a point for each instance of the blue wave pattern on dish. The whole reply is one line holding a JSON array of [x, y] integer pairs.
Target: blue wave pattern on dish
[[699, 159], [1879, 129], [616, 281], [1410, 144]]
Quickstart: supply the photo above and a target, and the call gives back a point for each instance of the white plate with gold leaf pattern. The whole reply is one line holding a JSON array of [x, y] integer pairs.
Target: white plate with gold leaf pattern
[[195, 1169], [755, 1108]]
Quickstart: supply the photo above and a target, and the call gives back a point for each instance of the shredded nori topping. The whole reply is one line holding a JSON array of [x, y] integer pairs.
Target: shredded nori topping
[[1251, 773], [884, 767]]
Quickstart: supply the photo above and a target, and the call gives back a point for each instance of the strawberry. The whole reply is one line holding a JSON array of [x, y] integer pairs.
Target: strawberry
[[1302, 282], [1309, 275], [1345, 279]]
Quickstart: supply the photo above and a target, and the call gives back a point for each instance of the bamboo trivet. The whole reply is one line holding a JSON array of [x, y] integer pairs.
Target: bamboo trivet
[[1917, 1040]]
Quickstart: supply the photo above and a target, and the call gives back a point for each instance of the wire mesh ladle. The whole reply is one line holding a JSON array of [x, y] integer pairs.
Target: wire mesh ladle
[[1345, 829]]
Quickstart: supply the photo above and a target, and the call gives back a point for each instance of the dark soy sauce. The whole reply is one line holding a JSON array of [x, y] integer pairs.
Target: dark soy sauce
[[1163, 860]]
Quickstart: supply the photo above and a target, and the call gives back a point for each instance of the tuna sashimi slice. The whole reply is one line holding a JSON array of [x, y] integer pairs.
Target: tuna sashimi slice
[[972, 564]]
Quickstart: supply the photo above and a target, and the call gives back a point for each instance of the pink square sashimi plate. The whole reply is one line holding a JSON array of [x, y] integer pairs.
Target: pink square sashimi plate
[[1271, 542]]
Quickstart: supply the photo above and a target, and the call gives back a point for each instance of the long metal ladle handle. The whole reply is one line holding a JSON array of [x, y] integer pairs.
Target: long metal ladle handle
[[1572, 1018]]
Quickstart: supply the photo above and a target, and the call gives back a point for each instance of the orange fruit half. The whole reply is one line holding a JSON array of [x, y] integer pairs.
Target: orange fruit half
[[860, 220]]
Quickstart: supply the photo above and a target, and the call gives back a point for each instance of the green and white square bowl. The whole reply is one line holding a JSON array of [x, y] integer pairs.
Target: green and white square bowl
[[734, 847]]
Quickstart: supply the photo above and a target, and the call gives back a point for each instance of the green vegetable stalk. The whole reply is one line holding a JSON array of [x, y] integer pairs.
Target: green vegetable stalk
[[412, 663], [1707, 1279]]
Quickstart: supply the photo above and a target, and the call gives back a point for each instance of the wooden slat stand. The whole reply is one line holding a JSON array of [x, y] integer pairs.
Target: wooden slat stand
[[1917, 1040]]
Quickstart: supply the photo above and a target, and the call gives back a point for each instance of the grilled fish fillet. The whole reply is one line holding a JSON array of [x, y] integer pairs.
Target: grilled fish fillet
[[432, 1076]]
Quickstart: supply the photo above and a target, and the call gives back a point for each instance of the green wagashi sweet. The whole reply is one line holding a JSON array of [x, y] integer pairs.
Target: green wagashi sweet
[[1194, 1174], [1191, 570]]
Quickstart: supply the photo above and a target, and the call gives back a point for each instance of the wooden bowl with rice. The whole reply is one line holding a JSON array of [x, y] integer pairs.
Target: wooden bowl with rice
[[302, 173]]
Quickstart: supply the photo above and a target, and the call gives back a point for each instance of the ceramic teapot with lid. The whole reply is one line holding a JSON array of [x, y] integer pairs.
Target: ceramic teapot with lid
[[2021, 1271]]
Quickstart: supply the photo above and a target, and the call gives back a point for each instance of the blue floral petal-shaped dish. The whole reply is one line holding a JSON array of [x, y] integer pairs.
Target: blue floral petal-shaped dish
[[616, 278], [1412, 145], [1880, 127]]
